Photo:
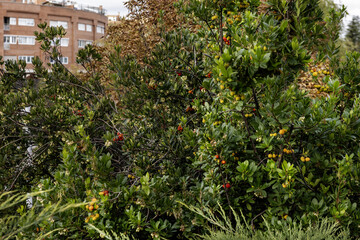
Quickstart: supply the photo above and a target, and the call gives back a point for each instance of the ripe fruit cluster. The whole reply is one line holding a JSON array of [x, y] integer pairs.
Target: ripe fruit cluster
[[92, 217], [305, 159], [119, 137], [180, 129], [227, 185], [131, 176], [248, 115], [104, 193], [226, 40], [273, 134], [287, 151], [190, 109], [78, 113], [272, 155], [282, 131]]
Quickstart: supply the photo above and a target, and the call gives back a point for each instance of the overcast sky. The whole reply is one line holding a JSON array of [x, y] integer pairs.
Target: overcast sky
[[116, 6], [112, 7], [353, 9]]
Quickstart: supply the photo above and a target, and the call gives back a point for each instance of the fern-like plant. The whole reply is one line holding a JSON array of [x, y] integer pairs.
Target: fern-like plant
[[222, 228]]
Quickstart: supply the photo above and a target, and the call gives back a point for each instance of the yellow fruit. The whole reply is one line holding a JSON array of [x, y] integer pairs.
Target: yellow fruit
[[246, 115], [222, 87], [216, 57], [315, 74], [87, 206], [284, 185], [302, 159], [285, 150], [221, 100], [274, 155], [270, 156], [282, 131], [237, 98], [91, 208], [265, 48], [87, 219], [285, 216], [232, 93], [96, 207], [307, 159], [203, 120], [214, 17]]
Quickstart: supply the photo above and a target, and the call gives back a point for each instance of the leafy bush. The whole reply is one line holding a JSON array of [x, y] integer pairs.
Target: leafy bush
[[213, 115]]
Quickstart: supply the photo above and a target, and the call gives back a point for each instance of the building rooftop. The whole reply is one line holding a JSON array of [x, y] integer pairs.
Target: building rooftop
[[62, 3]]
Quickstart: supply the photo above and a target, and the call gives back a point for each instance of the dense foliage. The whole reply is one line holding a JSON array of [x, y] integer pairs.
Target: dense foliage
[[214, 115]]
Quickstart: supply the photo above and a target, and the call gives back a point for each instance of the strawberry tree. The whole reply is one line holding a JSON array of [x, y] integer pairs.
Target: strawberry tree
[[214, 115]]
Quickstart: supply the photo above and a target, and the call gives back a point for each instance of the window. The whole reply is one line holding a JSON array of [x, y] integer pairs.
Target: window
[[88, 28], [63, 42], [9, 58], [25, 40], [81, 27], [12, 21], [63, 60], [83, 43], [100, 29], [26, 22], [58, 24], [27, 59], [10, 39]]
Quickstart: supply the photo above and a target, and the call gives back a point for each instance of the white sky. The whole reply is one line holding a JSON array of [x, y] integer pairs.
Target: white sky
[[116, 6], [352, 7], [112, 7]]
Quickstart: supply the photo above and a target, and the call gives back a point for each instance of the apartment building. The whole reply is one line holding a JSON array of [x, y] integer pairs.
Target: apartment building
[[19, 20]]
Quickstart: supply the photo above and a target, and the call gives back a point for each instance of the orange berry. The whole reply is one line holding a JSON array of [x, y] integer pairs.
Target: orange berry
[[223, 161]]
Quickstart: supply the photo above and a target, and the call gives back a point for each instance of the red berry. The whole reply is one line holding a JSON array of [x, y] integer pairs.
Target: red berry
[[223, 162], [217, 156], [180, 129], [227, 185], [106, 193], [121, 137], [178, 73]]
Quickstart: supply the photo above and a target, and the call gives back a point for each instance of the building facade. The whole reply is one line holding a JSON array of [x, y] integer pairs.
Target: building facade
[[19, 20]]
